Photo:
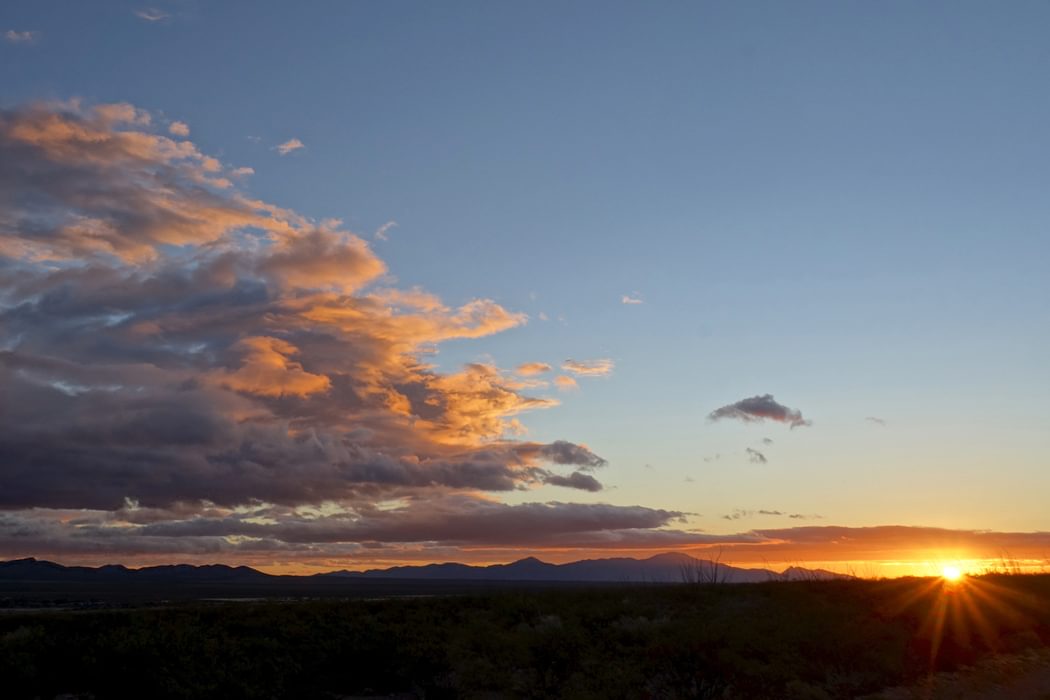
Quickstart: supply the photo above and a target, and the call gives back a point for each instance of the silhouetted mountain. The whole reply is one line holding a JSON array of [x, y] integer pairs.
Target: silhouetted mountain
[[671, 567], [37, 570]]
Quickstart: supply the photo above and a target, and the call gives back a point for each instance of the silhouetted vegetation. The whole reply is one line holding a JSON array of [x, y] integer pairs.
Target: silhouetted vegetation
[[809, 639]]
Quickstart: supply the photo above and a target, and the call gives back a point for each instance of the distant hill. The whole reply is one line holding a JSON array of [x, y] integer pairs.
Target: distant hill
[[662, 568], [37, 570]]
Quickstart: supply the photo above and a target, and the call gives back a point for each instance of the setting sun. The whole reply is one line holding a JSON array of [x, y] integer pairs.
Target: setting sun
[[951, 573]]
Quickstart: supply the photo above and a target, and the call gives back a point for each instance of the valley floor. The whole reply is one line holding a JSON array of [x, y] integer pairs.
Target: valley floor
[[811, 639]]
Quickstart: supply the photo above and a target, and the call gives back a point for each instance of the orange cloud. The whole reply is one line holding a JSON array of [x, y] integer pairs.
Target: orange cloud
[[565, 383], [529, 369], [266, 370], [289, 146]]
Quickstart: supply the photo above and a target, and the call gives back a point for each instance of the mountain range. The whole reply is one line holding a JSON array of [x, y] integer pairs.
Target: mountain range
[[670, 567]]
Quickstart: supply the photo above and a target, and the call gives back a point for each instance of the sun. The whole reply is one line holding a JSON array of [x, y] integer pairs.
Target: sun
[[951, 573]]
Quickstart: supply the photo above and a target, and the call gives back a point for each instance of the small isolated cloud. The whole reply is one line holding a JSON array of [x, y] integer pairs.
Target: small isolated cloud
[[544, 317], [767, 441], [876, 421], [152, 14], [628, 299], [713, 458], [755, 456], [530, 369], [380, 234], [760, 408], [25, 37], [576, 480], [242, 172], [289, 146], [565, 383], [589, 368], [179, 129]]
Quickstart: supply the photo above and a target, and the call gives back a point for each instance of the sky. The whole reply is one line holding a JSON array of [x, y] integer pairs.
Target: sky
[[326, 285]]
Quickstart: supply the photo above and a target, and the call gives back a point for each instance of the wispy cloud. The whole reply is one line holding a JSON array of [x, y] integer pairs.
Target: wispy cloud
[[21, 37], [589, 368], [755, 457], [757, 409], [565, 383], [381, 232], [741, 514], [530, 369], [289, 146], [152, 14], [876, 421], [628, 299]]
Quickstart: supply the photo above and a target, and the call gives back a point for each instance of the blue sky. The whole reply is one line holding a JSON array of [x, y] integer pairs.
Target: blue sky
[[840, 204]]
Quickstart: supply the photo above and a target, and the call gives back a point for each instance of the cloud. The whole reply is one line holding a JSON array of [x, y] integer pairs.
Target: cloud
[[876, 421], [755, 457], [444, 522], [757, 409], [576, 480], [531, 369], [267, 370], [565, 383], [289, 146], [740, 514], [152, 14], [767, 441], [21, 37], [381, 232], [563, 452], [627, 299], [713, 458], [167, 339], [179, 129], [589, 368]]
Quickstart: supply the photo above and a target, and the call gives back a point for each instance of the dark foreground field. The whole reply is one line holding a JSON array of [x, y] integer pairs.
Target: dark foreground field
[[830, 639]]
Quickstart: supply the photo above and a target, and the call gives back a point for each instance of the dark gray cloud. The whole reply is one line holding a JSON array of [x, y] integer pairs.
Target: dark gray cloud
[[757, 409], [562, 452], [576, 480], [450, 521]]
